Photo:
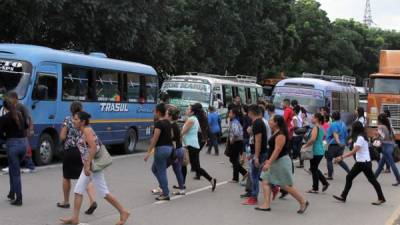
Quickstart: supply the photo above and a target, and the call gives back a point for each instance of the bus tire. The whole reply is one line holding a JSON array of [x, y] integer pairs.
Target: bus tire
[[130, 142], [45, 151]]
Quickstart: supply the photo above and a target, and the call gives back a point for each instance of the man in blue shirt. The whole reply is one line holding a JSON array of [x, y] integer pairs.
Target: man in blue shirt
[[214, 122], [336, 139]]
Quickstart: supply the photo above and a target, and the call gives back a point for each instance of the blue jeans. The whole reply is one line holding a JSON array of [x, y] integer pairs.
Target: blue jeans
[[333, 152], [387, 153], [177, 167], [255, 173], [159, 168], [16, 150]]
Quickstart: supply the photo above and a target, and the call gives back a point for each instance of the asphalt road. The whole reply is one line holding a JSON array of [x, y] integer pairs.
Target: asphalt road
[[130, 180]]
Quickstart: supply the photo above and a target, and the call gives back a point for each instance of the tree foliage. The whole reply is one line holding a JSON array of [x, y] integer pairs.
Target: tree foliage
[[254, 37]]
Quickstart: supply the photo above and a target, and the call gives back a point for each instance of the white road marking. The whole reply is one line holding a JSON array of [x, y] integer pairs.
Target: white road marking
[[392, 219]]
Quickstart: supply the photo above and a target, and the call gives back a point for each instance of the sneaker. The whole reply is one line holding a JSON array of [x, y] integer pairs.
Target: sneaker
[[180, 192], [250, 201], [26, 170], [4, 170]]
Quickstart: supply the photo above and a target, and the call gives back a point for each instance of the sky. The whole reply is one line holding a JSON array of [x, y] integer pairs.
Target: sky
[[385, 13]]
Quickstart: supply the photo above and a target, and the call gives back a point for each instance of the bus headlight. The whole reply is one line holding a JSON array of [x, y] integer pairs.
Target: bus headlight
[[373, 123]]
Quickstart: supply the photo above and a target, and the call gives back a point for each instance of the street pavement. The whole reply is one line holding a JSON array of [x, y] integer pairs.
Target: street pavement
[[130, 180]]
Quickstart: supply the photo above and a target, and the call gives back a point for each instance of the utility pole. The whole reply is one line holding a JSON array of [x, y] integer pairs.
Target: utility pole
[[368, 15]]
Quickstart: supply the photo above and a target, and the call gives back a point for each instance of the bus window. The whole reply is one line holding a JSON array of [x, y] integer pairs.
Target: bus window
[[335, 101], [248, 94], [107, 86], [151, 89], [235, 91], [76, 83], [133, 83], [45, 87], [344, 104], [242, 95], [227, 92], [260, 93], [253, 92]]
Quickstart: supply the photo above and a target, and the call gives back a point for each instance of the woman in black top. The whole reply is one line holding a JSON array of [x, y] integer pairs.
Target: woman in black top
[[162, 142], [14, 126], [278, 167], [177, 165]]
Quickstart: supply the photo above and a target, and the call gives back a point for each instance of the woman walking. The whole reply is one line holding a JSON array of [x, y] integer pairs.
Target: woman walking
[[13, 126], [72, 161], [214, 122], [177, 165], [385, 135], [191, 134], [363, 164], [235, 143], [336, 141], [88, 145], [278, 167], [316, 141], [360, 116], [162, 142]]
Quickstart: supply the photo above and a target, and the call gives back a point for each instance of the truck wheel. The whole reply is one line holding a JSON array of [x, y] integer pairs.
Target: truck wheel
[[130, 141], [44, 153]]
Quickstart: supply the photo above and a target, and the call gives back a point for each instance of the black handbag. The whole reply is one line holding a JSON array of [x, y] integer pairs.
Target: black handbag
[[300, 130], [374, 154]]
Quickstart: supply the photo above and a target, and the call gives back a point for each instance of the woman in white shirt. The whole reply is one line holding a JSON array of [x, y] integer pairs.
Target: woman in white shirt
[[361, 116], [363, 164]]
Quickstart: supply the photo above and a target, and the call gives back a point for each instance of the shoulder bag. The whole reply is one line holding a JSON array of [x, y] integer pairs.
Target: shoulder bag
[[101, 160], [307, 153]]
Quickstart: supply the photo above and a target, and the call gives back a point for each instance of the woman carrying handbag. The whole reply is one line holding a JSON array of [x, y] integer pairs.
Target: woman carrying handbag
[[235, 144], [315, 142], [89, 147]]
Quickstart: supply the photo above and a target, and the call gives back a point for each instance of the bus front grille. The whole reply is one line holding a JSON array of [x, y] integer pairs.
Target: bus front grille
[[394, 110]]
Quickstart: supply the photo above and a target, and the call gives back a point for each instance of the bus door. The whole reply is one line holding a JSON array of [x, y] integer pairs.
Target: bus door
[[44, 111]]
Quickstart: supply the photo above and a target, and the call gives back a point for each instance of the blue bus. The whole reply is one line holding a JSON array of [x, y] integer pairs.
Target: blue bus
[[314, 91], [119, 95]]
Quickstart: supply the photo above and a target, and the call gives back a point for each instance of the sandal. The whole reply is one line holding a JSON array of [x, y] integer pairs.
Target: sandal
[[63, 205], [379, 202], [91, 209], [163, 198], [312, 191], [303, 210]]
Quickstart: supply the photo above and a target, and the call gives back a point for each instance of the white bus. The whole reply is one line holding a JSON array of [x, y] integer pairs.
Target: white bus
[[209, 89]]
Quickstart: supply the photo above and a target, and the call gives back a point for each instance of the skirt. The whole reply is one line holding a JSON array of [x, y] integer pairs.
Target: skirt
[[280, 172], [72, 163]]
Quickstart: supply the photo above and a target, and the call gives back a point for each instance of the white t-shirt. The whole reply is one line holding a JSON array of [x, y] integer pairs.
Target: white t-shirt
[[362, 155], [362, 120], [269, 132]]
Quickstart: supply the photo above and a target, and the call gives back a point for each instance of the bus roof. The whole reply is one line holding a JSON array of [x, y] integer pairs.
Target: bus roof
[[213, 80], [316, 83], [36, 54]]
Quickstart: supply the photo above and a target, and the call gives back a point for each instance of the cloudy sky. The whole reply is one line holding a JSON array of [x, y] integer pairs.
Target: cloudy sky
[[385, 13]]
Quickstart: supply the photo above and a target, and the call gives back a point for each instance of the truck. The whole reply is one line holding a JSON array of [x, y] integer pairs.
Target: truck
[[384, 93]]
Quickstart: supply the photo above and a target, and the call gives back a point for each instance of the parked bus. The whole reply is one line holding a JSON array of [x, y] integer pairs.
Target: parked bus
[[314, 91], [119, 95], [384, 93], [209, 89]]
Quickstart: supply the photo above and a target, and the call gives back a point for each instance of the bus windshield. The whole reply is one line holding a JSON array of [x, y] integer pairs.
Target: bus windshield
[[385, 85], [14, 76], [186, 97], [310, 99]]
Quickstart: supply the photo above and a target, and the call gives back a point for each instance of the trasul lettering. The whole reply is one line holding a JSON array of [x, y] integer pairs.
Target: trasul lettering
[[114, 107]]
